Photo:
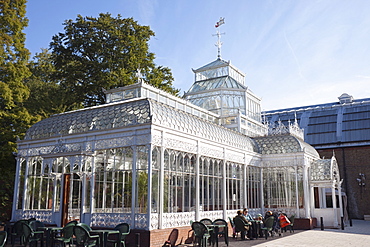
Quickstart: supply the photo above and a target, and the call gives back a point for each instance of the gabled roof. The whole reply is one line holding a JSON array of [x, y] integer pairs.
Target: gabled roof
[[226, 82], [136, 112], [93, 118], [213, 65]]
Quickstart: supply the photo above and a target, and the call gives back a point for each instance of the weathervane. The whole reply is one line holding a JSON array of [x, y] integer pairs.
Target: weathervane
[[218, 34]]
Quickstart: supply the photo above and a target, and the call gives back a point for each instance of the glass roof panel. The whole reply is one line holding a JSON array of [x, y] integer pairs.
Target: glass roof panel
[[215, 83], [283, 144], [321, 170], [117, 115]]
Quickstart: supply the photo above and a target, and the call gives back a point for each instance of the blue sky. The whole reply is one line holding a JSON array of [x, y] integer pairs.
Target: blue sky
[[294, 52]]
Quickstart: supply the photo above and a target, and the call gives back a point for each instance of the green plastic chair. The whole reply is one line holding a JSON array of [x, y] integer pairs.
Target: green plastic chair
[[17, 232], [86, 226], [233, 227], [66, 235], [268, 224], [3, 235], [31, 236], [206, 221], [119, 239], [240, 226], [83, 237], [201, 234], [222, 231], [35, 224]]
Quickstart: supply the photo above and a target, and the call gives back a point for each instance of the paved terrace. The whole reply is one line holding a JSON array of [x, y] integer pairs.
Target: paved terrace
[[356, 236]]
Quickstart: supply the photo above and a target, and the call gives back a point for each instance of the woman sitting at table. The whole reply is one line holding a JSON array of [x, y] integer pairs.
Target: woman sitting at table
[[252, 232]]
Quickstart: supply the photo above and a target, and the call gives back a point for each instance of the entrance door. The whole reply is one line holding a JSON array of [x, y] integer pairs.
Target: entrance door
[[65, 199], [72, 191]]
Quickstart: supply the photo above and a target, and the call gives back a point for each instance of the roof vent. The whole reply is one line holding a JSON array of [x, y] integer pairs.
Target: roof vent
[[345, 98]]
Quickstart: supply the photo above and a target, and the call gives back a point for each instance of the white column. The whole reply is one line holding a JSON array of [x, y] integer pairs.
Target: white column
[[306, 191], [24, 198], [149, 148], [296, 191], [92, 184], [197, 184], [161, 186], [335, 214], [224, 199], [16, 187], [133, 189], [261, 190], [245, 178], [239, 120]]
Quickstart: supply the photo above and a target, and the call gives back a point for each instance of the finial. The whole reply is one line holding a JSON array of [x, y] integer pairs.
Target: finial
[[218, 34], [139, 75]]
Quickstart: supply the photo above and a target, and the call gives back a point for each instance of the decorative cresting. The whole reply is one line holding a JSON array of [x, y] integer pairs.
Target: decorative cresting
[[172, 118], [280, 129], [325, 170], [102, 117]]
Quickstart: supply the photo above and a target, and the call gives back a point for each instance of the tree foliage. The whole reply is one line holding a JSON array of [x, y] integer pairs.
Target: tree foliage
[[14, 117], [47, 96], [104, 52]]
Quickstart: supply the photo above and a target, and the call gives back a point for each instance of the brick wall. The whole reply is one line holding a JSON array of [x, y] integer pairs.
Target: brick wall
[[351, 162], [157, 238]]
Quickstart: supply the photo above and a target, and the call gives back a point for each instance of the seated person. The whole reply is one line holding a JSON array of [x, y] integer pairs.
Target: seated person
[[252, 232], [268, 214], [259, 223], [241, 224], [284, 221], [259, 217]]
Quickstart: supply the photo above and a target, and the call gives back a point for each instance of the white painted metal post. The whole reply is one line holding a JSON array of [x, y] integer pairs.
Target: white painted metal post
[[245, 178], [335, 213], [197, 185], [161, 184], [150, 168], [16, 187], [133, 189], [224, 198], [306, 191]]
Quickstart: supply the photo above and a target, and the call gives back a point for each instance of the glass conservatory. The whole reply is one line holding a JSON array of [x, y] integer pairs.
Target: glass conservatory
[[156, 161]]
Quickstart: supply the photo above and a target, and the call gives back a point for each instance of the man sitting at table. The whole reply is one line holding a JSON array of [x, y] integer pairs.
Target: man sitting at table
[[241, 224]]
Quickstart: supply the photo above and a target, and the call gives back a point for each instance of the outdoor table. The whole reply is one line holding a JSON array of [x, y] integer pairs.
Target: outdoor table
[[103, 235], [213, 231], [258, 231], [49, 233]]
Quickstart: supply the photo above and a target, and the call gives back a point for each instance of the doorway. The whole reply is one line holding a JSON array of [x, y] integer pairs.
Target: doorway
[[71, 198]]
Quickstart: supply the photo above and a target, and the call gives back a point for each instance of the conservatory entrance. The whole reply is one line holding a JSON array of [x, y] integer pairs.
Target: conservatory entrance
[[71, 207], [63, 178]]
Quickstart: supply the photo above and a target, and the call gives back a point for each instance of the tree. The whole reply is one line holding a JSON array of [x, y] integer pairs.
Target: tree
[[14, 117], [105, 52], [47, 96]]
